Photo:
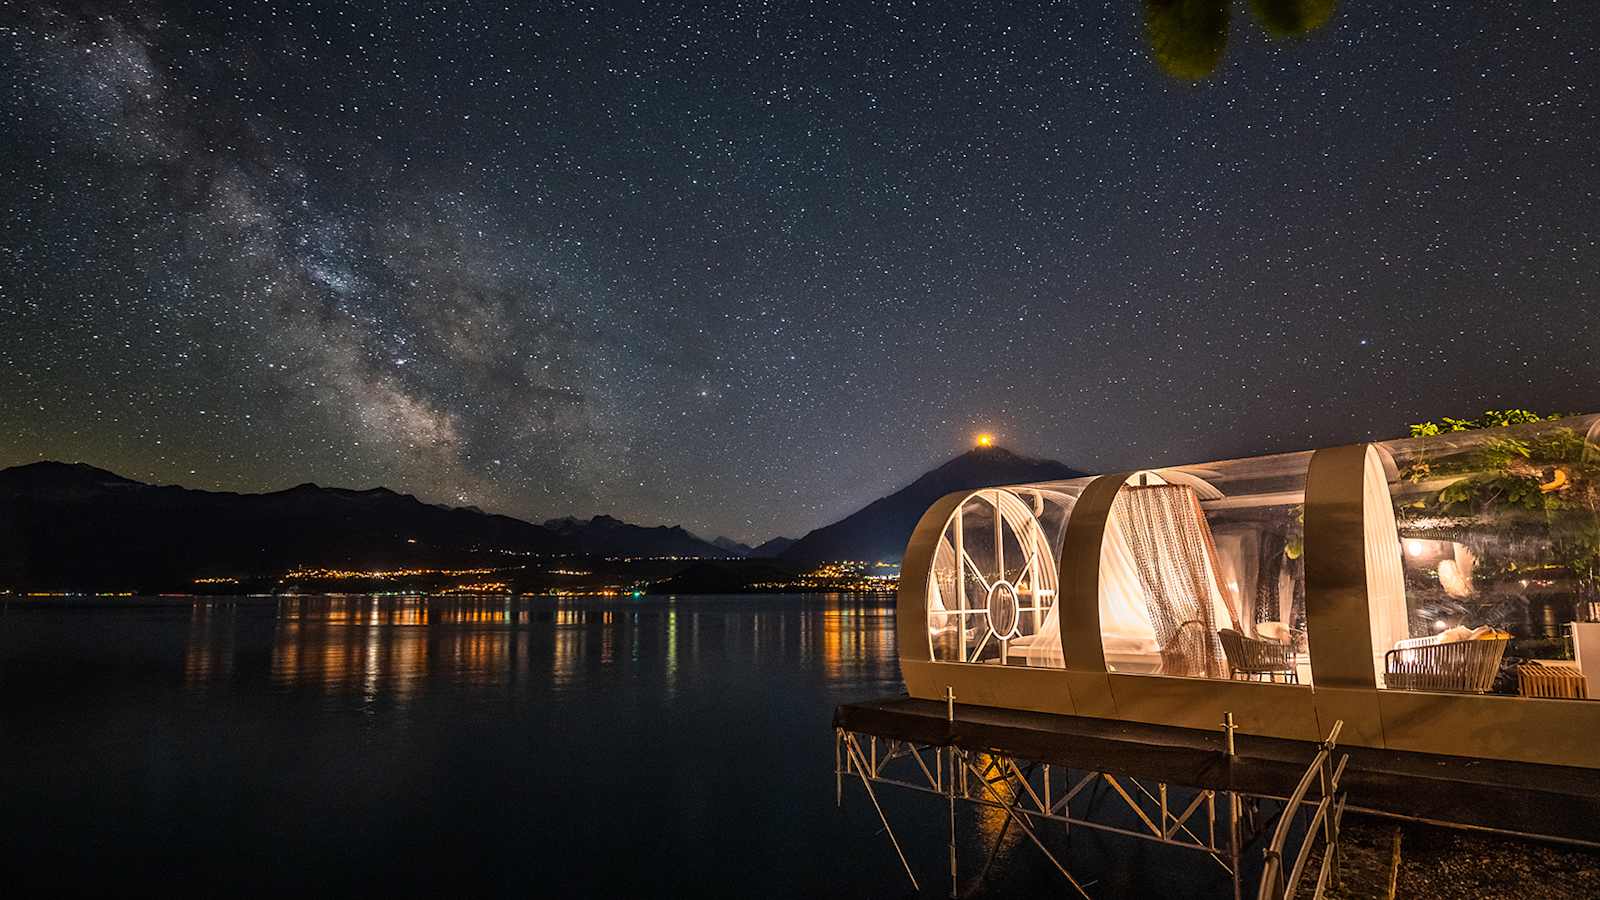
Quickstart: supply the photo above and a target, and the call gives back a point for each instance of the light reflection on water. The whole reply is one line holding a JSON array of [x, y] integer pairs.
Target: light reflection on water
[[389, 645], [463, 746], [541, 745]]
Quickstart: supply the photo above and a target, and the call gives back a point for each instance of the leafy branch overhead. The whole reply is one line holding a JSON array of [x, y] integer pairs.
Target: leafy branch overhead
[[1491, 418], [1188, 37]]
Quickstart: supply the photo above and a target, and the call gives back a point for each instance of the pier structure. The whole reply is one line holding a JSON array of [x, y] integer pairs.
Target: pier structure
[[1189, 788], [1261, 823]]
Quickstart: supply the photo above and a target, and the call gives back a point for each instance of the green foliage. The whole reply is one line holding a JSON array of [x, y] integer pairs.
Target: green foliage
[[1527, 502], [1296, 543], [1468, 494], [1579, 548], [1491, 418]]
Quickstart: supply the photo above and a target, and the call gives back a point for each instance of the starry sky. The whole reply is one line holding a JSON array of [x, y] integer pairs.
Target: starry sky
[[746, 266]]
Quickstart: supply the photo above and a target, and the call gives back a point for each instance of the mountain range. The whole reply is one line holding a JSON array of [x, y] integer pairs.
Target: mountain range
[[607, 536], [74, 526], [880, 530]]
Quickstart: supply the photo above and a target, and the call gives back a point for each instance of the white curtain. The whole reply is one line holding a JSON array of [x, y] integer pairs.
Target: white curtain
[[1176, 559], [1125, 627], [1043, 649], [1124, 621]]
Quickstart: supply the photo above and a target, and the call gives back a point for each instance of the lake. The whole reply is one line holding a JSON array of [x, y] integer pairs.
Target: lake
[[468, 747]]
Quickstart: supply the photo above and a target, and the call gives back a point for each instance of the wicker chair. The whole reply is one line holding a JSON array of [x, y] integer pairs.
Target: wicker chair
[[1255, 659], [1426, 664]]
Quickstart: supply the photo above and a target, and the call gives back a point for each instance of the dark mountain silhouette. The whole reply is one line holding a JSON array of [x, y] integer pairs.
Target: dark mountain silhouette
[[880, 530], [724, 577], [75, 526], [731, 547], [769, 549], [607, 536]]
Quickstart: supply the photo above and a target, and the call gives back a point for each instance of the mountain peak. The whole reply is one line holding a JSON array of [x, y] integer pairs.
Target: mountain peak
[[991, 451], [605, 535], [733, 547], [773, 547], [51, 467], [880, 530], [52, 477]]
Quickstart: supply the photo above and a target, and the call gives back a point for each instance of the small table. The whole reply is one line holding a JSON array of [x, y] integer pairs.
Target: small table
[[1551, 678]]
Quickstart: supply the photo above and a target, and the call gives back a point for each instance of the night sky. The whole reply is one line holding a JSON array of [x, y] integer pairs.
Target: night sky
[[747, 266]]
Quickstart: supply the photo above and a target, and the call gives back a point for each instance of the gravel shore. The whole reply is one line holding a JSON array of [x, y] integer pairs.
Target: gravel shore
[[1446, 863]]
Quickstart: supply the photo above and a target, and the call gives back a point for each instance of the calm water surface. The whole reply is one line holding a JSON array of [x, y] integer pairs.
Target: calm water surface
[[461, 747]]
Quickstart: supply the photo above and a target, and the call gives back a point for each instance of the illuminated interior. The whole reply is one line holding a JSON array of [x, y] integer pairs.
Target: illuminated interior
[[1202, 572], [1497, 563], [1481, 553], [993, 585]]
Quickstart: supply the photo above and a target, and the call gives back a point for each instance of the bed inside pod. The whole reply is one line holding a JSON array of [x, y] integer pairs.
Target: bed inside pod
[[1202, 572], [994, 583]]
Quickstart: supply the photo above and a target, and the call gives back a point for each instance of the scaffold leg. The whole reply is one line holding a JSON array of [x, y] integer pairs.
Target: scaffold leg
[[1022, 825], [861, 770]]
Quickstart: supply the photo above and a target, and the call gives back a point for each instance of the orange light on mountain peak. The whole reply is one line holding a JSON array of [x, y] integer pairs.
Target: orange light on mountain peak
[[986, 440]]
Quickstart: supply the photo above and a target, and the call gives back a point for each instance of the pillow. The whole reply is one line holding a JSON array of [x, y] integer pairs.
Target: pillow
[[1273, 631], [1128, 644]]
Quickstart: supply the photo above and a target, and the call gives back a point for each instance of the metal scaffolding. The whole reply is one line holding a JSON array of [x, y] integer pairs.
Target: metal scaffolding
[[1030, 792]]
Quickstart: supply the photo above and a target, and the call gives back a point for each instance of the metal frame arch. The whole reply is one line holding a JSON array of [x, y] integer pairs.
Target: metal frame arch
[[1079, 572], [1338, 625], [1079, 602], [1032, 592], [911, 600]]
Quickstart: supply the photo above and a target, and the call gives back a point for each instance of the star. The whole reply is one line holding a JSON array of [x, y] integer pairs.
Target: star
[[745, 273]]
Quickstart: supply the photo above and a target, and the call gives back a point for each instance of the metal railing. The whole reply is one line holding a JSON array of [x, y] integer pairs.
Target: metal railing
[[1324, 823]]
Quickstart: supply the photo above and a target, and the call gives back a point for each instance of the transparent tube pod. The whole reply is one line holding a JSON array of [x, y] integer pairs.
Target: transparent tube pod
[[1496, 571], [1202, 572], [994, 583], [1437, 594]]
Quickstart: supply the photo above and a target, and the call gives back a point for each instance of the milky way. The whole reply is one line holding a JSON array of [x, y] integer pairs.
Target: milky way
[[744, 267]]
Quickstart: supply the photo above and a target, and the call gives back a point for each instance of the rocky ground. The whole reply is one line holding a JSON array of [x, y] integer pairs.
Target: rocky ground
[[1446, 863]]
